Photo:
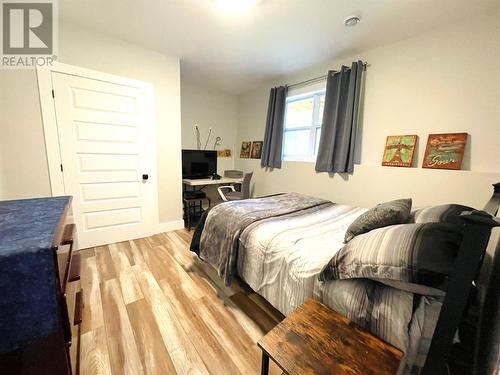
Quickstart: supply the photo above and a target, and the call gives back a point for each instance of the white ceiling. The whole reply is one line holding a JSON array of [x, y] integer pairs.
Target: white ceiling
[[235, 52]]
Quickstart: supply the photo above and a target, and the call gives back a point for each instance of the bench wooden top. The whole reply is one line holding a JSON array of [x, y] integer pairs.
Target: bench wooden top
[[317, 340]]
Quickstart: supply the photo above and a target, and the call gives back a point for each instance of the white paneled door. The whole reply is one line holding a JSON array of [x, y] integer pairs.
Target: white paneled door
[[107, 149]]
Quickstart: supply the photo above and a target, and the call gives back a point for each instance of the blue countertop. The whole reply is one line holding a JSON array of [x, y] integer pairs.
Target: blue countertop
[[28, 281]]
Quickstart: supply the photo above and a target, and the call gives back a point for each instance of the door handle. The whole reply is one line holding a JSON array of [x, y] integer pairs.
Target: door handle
[[145, 177]]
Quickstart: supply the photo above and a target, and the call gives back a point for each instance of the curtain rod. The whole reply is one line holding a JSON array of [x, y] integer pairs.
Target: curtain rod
[[317, 79]]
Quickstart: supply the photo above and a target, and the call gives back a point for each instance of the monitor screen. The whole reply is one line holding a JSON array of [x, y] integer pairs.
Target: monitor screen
[[198, 163]]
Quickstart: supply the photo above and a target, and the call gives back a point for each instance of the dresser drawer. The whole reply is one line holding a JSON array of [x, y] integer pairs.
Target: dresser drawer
[[65, 257], [74, 298], [71, 295]]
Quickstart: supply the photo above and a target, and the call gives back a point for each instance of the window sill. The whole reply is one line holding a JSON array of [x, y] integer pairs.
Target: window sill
[[300, 160]]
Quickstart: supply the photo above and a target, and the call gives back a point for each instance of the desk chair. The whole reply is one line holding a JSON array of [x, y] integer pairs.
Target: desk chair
[[231, 194]]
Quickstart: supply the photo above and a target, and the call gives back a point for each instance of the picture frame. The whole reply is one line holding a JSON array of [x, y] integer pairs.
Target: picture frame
[[246, 147], [445, 151], [256, 152], [226, 153], [399, 150]]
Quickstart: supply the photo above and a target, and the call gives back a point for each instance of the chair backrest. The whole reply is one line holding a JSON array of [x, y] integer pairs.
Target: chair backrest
[[245, 186]]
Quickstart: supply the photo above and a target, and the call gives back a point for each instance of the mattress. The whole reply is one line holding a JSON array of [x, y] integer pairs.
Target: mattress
[[280, 257]]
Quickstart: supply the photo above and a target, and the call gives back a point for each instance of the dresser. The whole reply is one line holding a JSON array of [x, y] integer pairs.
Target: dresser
[[41, 300]]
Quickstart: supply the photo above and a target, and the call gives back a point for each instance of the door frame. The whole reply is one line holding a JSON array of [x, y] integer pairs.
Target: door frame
[[50, 130]]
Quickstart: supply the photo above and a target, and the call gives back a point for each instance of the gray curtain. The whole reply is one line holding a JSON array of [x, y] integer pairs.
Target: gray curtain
[[340, 120], [273, 137]]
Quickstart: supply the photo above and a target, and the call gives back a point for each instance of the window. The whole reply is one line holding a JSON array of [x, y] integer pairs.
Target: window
[[303, 117]]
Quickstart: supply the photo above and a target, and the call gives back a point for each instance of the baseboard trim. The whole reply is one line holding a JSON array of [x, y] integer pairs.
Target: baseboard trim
[[169, 226]]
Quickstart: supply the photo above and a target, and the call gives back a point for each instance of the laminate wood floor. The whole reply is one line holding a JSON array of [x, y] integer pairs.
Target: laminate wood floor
[[152, 307]]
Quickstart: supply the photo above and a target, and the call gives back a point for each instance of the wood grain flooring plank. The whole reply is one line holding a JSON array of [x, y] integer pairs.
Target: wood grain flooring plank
[[153, 307], [105, 264], [136, 253], [185, 367], [154, 240], [94, 356], [141, 243], [177, 275], [154, 355], [125, 248], [129, 285], [239, 326], [156, 263], [92, 317], [207, 345], [184, 235], [123, 260], [184, 356], [120, 258], [195, 267], [179, 248], [243, 352], [123, 353], [86, 253], [266, 307], [264, 321], [164, 267]]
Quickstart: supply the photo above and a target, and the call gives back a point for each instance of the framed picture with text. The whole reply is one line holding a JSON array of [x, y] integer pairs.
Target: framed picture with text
[[445, 151]]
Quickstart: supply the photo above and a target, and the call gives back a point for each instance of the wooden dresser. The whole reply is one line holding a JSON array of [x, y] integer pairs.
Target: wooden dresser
[[41, 297]]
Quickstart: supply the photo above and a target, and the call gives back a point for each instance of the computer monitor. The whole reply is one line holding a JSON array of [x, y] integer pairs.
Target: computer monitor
[[198, 163]]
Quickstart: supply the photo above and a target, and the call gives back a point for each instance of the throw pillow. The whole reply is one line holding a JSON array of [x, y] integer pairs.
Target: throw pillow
[[382, 215]]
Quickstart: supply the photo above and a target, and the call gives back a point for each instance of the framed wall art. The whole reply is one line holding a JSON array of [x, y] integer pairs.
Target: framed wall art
[[399, 150], [245, 149], [256, 150], [445, 151]]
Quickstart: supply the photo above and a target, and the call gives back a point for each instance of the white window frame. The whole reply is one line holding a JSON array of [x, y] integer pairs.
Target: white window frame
[[316, 124]]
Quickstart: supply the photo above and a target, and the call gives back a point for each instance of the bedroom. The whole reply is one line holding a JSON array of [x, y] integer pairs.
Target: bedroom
[[149, 304]]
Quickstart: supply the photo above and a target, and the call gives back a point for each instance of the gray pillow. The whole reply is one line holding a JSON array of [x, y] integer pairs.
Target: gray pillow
[[444, 213], [421, 254], [382, 215]]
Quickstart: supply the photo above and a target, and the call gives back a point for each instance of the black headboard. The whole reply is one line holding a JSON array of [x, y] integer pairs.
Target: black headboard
[[476, 234]]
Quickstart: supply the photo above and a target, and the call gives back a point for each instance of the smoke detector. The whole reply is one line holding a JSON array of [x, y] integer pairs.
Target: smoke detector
[[352, 21]]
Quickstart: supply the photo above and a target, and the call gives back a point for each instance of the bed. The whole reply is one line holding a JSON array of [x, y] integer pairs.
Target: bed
[[278, 245]]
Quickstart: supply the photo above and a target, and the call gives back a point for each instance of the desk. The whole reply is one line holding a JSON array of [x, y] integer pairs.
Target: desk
[[208, 181], [203, 182], [197, 185]]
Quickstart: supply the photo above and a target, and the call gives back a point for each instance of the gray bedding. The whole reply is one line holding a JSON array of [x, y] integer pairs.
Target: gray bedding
[[280, 251], [223, 226]]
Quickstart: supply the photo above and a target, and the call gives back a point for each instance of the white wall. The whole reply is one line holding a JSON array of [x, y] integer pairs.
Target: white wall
[[3, 172], [20, 111], [446, 80], [213, 108], [23, 168]]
